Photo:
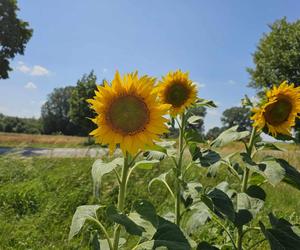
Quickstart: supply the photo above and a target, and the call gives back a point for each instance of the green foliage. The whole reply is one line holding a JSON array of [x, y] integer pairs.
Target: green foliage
[[55, 113], [228, 136], [277, 56], [14, 33], [237, 116], [79, 109], [20, 125]]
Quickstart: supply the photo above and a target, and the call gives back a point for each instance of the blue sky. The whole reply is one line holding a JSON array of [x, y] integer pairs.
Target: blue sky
[[213, 40]]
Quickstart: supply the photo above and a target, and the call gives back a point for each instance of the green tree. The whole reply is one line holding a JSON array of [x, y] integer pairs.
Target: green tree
[[79, 108], [55, 113], [236, 116], [277, 57], [14, 34]]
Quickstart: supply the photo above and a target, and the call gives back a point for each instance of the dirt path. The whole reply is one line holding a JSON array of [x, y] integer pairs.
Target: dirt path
[[57, 152]]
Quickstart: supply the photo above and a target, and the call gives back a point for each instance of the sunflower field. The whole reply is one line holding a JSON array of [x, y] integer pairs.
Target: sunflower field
[[133, 114]]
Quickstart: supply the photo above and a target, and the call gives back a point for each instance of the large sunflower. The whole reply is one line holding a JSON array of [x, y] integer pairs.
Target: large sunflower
[[128, 113], [279, 111], [177, 90]]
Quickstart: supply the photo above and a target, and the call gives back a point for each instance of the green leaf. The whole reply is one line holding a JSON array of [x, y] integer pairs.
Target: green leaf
[[196, 217], [267, 146], [194, 119], [145, 164], [281, 235], [229, 136], [242, 217], [104, 244], [162, 178], [206, 246], [268, 168], [246, 202], [169, 235], [100, 168], [80, 216], [222, 203], [192, 136], [130, 226], [159, 150], [147, 211], [256, 192], [194, 151], [292, 175], [205, 103], [209, 157]]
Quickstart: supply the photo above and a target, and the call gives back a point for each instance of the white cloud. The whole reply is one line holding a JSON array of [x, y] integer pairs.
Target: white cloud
[[200, 85], [30, 85], [104, 70], [22, 67], [36, 70], [231, 82]]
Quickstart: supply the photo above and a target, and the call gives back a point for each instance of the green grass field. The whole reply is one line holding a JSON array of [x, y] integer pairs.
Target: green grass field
[[38, 197]]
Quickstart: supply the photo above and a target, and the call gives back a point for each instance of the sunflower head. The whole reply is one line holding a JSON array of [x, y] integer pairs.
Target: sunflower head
[[279, 110], [128, 113], [177, 90]]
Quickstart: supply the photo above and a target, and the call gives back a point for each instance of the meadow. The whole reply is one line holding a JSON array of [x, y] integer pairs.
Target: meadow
[[38, 198]]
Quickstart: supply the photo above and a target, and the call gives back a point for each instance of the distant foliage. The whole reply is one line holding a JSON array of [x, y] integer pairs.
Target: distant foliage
[[79, 109], [14, 34], [277, 57], [55, 113], [20, 125], [236, 116], [213, 133]]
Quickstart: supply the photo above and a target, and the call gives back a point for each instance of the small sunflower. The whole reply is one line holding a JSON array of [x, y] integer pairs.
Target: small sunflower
[[128, 113], [177, 90], [279, 112]]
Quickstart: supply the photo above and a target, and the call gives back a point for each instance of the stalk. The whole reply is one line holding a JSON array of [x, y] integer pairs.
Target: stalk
[[179, 171], [245, 185], [121, 198]]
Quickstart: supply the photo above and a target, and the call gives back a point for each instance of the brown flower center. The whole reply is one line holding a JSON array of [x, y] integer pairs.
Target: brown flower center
[[278, 112], [177, 94], [128, 115]]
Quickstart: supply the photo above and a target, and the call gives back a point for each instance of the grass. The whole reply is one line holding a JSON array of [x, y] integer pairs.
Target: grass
[[41, 141], [38, 197]]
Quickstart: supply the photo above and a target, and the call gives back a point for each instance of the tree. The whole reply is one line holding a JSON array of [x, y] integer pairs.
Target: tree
[[236, 116], [213, 133], [277, 57], [79, 108], [14, 34], [55, 113]]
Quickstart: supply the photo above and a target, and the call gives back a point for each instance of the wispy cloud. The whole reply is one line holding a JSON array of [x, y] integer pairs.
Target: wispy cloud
[[30, 85], [231, 82], [200, 85], [36, 70]]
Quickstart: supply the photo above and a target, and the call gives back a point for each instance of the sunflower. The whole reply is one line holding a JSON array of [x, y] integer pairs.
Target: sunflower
[[280, 110], [177, 90], [128, 113]]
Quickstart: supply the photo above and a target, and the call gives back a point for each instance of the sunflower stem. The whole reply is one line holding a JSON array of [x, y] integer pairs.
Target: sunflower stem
[[249, 149], [121, 198], [179, 170]]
